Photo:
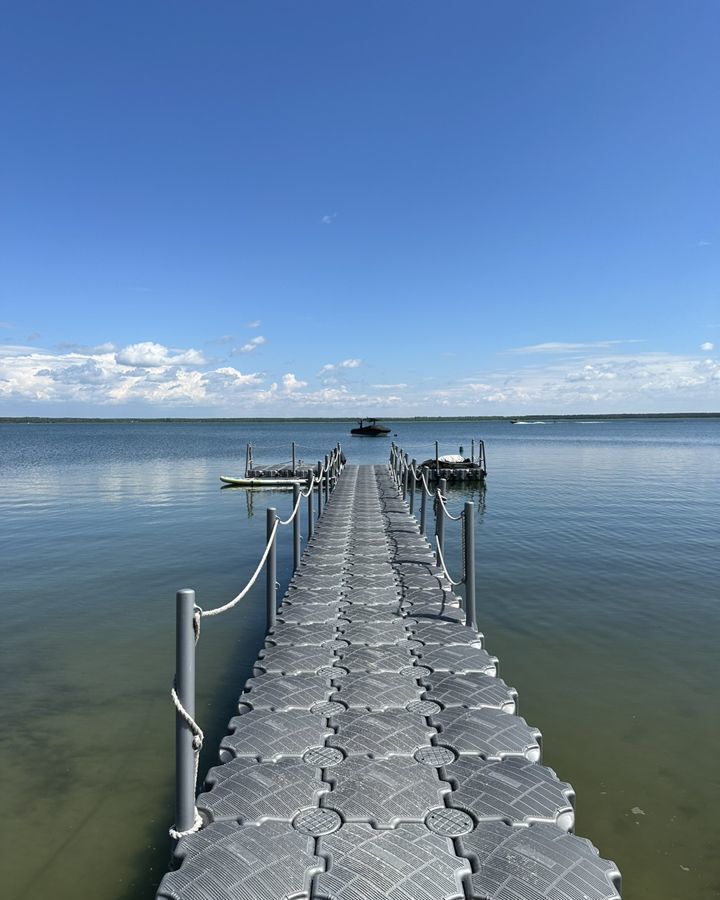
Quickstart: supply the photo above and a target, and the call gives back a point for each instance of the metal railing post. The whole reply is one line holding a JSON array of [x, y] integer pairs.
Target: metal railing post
[[413, 485], [437, 460], [469, 527], [423, 499], [319, 489], [406, 475], [271, 569], [310, 512], [440, 522], [185, 689], [296, 527], [293, 458], [472, 451], [327, 480]]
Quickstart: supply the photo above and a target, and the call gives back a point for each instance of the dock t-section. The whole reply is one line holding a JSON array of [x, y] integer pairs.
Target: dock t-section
[[376, 754]]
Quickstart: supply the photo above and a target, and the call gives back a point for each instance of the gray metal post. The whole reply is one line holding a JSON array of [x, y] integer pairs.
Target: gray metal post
[[440, 522], [413, 485], [271, 570], [423, 499], [296, 527], [469, 527], [185, 689], [406, 475], [310, 513], [437, 460], [293, 458], [472, 451], [247, 458], [320, 505], [326, 480]]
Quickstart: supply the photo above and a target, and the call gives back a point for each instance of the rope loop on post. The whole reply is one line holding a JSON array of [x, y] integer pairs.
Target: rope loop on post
[[197, 743]]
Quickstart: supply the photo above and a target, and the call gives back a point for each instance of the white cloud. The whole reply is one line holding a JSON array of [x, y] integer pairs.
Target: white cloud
[[254, 324], [707, 346], [703, 243], [561, 347], [150, 354], [389, 387], [236, 377], [251, 345], [291, 383], [328, 220], [345, 364]]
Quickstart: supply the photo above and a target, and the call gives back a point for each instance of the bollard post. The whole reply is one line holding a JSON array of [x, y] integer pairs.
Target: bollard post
[[413, 485], [327, 480], [423, 499], [320, 505], [293, 458], [472, 451], [296, 527], [310, 512], [469, 536], [406, 476], [185, 689], [437, 460], [271, 570], [440, 521]]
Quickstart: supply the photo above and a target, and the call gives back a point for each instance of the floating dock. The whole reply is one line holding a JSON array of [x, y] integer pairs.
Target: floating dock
[[449, 469], [376, 754]]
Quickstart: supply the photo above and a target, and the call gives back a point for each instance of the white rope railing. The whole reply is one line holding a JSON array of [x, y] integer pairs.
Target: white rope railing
[[443, 504], [333, 464], [256, 574], [399, 467], [444, 567], [301, 496]]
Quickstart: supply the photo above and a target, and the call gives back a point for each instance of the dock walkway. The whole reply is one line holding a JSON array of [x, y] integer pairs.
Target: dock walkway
[[376, 754]]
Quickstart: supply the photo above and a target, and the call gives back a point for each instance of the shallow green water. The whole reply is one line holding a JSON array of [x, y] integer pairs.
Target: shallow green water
[[598, 586]]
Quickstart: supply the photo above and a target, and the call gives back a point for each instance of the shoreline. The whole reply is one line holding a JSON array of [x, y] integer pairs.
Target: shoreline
[[244, 420]]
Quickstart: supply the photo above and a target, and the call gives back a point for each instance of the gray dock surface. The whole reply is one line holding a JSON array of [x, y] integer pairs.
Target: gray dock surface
[[376, 753]]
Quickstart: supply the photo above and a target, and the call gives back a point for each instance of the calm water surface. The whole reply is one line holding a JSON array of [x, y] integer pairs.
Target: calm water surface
[[598, 586]]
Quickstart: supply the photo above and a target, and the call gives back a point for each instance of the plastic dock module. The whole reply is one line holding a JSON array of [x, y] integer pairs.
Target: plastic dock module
[[376, 754]]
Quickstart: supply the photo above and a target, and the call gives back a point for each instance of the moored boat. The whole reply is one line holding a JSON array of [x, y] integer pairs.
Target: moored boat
[[372, 429]]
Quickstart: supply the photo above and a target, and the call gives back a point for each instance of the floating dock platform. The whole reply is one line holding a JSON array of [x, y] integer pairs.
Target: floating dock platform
[[376, 753]]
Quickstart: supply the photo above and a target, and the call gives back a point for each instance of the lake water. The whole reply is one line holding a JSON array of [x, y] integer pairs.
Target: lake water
[[598, 564]]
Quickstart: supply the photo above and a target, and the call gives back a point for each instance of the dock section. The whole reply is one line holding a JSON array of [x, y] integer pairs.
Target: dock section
[[376, 753]]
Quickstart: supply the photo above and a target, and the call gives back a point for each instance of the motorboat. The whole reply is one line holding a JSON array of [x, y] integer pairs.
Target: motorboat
[[372, 429]]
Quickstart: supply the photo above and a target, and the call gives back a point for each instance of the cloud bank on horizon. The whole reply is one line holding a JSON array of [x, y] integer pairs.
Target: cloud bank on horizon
[[151, 379]]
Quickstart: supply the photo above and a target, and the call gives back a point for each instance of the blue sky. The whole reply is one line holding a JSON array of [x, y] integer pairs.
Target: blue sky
[[389, 208]]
